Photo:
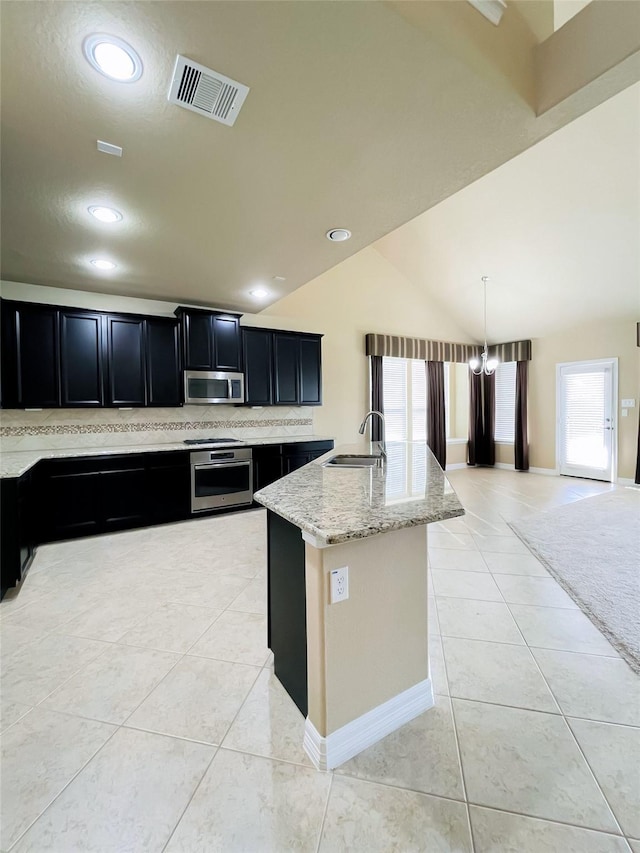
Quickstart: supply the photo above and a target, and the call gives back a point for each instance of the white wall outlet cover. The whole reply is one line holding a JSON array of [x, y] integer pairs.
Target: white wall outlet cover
[[339, 584], [625, 413], [628, 404]]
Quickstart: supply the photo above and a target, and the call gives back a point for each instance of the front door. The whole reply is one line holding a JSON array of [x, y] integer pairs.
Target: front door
[[586, 419]]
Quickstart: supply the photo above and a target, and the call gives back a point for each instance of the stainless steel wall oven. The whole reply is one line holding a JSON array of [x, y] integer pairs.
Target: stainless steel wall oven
[[221, 478]]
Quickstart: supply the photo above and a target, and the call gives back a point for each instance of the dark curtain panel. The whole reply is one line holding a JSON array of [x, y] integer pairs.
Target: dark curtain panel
[[376, 396], [637, 480], [436, 426], [521, 445], [482, 402]]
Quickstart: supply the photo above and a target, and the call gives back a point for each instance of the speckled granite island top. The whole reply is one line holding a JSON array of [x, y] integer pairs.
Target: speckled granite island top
[[334, 504]]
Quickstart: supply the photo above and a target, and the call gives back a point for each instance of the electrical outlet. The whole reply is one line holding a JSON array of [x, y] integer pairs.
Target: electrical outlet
[[339, 584], [625, 413]]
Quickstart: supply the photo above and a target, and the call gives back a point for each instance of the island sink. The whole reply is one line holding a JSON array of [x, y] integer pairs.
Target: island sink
[[352, 460]]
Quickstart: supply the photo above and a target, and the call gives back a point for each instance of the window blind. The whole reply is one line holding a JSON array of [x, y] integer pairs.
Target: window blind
[[505, 401], [583, 432], [395, 394], [405, 399]]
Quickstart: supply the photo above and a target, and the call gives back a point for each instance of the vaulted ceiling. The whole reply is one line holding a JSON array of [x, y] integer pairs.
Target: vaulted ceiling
[[361, 115]]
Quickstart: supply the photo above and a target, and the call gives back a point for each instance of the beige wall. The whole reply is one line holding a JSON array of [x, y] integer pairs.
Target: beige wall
[[364, 651], [363, 294], [609, 339]]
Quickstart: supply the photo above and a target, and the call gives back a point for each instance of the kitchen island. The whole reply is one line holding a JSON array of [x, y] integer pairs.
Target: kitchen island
[[357, 667]]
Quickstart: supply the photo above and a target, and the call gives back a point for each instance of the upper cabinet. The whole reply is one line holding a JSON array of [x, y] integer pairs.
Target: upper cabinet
[[54, 356], [81, 358], [211, 340], [282, 368], [30, 356]]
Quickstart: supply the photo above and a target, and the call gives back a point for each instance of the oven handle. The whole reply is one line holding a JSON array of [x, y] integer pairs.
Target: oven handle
[[220, 465]]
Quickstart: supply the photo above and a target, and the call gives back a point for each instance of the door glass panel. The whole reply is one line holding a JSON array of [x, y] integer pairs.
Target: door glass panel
[[204, 389], [584, 433], [221, 480]]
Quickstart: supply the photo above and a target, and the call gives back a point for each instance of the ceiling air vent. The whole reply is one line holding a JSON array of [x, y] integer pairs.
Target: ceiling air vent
[[206, 92]]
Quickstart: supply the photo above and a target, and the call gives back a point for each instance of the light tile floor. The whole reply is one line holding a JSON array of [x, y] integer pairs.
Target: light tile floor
[[140, 711]]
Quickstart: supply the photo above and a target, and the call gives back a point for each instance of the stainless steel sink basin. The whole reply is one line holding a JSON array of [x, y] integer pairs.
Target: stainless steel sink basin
[[347, 460]]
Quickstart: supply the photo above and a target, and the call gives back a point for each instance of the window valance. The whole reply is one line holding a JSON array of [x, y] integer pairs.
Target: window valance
[[397, 346]]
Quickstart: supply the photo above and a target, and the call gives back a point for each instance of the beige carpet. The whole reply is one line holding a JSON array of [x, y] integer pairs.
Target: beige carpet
[[592, 548]]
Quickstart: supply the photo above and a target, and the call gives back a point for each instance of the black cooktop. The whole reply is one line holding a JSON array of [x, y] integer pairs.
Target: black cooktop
[[212, 441]]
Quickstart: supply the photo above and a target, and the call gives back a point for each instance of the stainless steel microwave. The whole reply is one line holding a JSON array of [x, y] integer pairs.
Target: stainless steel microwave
[[204, 387]]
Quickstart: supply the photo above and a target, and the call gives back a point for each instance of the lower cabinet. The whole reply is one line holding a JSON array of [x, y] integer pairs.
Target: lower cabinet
[[81, 497], [85, 496], [272, 461], [294, 456], [16, 530]]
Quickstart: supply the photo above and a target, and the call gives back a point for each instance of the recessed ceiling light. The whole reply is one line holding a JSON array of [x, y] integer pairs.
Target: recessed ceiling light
[[259, 293], [338, 235], [101, 264], [105, 214], [113, 57]]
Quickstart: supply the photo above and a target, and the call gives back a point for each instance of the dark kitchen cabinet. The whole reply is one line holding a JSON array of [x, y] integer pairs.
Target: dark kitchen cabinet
[[282, 368], [68, 499], [30, 356], [267, 465], [16, 529], [296, 455], [286, 361], [126, 361], [310, 370], [81, 358], [257, 347], [85, 496], [168, 486], [211, 340], [54, 356], [164, 374]]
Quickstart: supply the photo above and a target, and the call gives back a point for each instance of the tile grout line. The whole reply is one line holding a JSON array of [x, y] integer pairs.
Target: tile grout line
[[566, 723], [66, 785], [325, 812], [190, 800], [457, 739]]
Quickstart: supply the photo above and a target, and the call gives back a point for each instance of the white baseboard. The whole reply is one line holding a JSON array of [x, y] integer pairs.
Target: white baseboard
[[552, 472], [339, 746], [455, 465], [625, 481], [508, 466]]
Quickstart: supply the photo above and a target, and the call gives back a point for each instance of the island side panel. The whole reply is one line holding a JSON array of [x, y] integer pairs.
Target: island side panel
[[287, 612], [373, 646]]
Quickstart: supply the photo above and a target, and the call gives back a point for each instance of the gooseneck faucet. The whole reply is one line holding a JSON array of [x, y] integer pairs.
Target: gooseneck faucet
[[363, 426]]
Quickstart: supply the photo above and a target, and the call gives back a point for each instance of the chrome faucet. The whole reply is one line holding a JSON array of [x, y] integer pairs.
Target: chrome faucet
[[363, 426]]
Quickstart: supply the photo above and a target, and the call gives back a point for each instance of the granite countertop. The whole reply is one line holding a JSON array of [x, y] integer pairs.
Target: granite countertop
[[16, 463], [333, 505]]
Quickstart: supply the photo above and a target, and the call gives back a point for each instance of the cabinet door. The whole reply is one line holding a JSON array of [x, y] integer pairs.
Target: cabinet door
[[123, 497], [197, 341], [71, 503], [81, 358], [30, 356], [310, 371], [168, 486], [286, 359], [258, 367], [267, 465], [226, 343], [164, 377], [293, 461], [125, 361]]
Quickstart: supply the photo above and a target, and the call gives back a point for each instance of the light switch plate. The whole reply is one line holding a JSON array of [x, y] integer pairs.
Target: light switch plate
[[628, 404]]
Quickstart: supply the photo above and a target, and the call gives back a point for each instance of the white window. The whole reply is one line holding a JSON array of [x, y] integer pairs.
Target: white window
[[405, 399], [505, 402]]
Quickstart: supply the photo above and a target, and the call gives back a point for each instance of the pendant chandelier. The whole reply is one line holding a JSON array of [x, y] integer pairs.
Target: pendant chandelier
[[484, 364]]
